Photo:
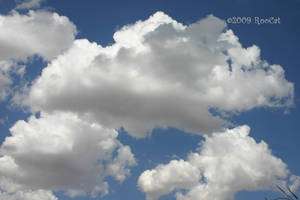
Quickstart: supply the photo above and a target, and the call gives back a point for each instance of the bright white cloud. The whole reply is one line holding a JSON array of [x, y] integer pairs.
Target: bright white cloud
[[161, 73], [27, 4], [61, 151], [158, 73], [165, 178], [37, 32], [228, 162]]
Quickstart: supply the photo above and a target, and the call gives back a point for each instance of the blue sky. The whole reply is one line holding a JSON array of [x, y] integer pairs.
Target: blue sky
[[85, 92]]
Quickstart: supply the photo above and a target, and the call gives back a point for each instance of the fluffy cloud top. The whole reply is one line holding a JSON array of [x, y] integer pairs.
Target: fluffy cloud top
[[63, 152], [37, 32], [161, 73], [165, 178], [226, 163], [158, 73]]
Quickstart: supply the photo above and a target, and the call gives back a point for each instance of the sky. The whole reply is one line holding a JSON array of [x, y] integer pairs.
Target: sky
[[149, 100]]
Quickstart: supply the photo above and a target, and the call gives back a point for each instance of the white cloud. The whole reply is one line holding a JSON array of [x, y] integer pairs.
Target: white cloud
[[61, 151], [37, 32], [228, 162], [5, 80], [117, 167], [28, 195], [7, 69], [158, 73], [161, 73], [12, 191], [165, 178]]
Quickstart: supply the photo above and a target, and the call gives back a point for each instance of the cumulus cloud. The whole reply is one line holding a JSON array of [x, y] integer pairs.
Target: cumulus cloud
[[14, 191], [61, 151], [161, 73], [27, 4], [226, 162], [158, 73], [165, 178], [39, 33], [36, 32]]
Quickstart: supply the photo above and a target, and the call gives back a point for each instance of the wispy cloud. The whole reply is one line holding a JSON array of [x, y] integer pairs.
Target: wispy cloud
[[28, 4]]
